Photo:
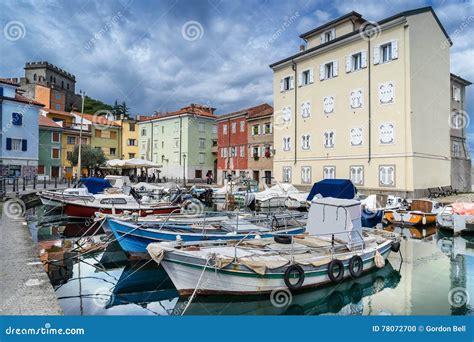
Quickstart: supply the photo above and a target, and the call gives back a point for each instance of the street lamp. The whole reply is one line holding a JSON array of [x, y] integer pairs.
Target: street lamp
[[184, 169]]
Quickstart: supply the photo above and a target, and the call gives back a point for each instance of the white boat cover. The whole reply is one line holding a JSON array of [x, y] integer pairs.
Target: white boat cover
[[341, 217]]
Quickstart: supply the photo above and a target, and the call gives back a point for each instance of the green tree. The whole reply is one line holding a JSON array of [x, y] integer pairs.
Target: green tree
[[91, 157], [92, 105]]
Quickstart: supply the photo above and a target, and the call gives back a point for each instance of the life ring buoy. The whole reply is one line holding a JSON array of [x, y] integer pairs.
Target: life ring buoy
[[283, 239], [334, 265], [289, 275], [356, 266]]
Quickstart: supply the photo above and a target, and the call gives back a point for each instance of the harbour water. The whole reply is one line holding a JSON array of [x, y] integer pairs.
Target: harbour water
[[435, 277]]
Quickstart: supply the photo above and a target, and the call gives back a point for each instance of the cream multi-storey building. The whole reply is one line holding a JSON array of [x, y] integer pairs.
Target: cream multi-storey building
[[366, 101]]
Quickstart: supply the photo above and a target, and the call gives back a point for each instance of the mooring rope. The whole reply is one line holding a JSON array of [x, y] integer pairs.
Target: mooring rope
[[197, 286]]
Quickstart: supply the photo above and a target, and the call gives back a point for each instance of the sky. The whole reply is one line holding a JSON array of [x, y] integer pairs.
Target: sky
[[162, 55]]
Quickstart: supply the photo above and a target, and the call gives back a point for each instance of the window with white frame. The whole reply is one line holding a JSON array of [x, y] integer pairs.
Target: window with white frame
[[224, 129], [202, 156], [355, 136], [387, 133], [286, 111], [306, 77], [225, 151], [456, 150], [357, 175], [456, 94], [202, 143], [286, 174], [286, 143], [255, 129], [306, 141], [234, 127], [329, 104], [355, 99], [386, 52], [242, 126], [214, 129], [287, 83], [386, 92], [201, 127], [356, 61], [233, 151], [387, 175], [255, 152], [176, 157], [242, 151], [328, 35], [306, 174], [306, 109], [222, 152], [267, 128], [329, 139], [328, 70], [329, 172]]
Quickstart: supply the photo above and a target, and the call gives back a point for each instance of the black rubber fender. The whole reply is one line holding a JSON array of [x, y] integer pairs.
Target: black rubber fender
[[335, 302], [283, 239], [395, 247], [356, 293], [289, 271], [356, 266], [336, 263]]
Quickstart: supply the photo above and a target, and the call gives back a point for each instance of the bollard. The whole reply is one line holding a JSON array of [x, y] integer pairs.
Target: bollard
[[56, 182], [14, 185], [44, 182], [34, 183], [69, 182], [24, 183]]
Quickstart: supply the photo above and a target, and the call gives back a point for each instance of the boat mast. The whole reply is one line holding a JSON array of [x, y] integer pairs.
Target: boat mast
[[80, 139]]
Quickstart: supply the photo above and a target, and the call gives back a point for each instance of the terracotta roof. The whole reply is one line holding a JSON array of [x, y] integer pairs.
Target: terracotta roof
[[60, 112], [47, 122], [195, 109], [10, 82], [98, 119], [23, 99], [252, 112]]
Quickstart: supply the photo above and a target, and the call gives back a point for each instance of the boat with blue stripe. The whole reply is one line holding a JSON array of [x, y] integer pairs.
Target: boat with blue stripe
[[134, 237]]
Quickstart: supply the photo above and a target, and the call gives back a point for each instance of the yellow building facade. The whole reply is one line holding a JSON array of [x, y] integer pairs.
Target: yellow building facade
[[129, 138], [368, 102]]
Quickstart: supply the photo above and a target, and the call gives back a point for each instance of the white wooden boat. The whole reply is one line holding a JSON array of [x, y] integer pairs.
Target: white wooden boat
[[457, 217], [335, 249]]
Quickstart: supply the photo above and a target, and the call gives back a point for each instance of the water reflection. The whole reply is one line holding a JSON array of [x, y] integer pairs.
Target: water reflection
[[92, 276]]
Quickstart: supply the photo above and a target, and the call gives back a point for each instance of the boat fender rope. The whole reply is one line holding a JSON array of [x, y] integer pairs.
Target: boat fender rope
[[198, 284], [356, 266], [288, 273], [334, 265]]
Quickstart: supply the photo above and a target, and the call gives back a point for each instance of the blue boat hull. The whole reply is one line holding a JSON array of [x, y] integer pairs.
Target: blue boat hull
[[135, 240]]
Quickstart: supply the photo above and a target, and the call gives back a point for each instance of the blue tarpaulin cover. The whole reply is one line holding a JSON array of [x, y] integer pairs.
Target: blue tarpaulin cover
[[95, 185], [337, 188]]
